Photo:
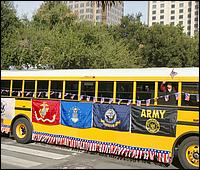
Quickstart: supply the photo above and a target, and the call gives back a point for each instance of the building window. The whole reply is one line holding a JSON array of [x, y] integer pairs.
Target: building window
[[196, 7], [88, 10], [195, 26], [153, 12], [172, 17], [181, 5], [173, 12], [154, 18], [189, 3], [180, 16], [154, 1], [154, 6], [195, 19], [82, 16], [153, 23], [180, 10], [189, 15], [196, 13], [82, 5], [173, 6], [81, 11], [76, 6], [162, 11], [161, 22], [162, 5], [171, 23], [189, 10], [188, 28], [88, 4], [181, 22], [188, 33], [189, 21], [162, 17]]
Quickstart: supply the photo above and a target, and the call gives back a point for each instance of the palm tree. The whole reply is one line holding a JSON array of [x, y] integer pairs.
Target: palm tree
[[105, 5]]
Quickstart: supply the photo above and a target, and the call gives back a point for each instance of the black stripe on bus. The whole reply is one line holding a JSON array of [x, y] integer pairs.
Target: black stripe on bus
[[188, 123], [21, 98], [22, 108]]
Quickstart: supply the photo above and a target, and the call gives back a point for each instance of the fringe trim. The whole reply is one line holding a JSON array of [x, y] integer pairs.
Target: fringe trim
[[104, 147], [5, 129]]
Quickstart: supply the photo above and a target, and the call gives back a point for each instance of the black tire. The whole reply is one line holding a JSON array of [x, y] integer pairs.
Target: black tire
[[194, 140], [25, 126]]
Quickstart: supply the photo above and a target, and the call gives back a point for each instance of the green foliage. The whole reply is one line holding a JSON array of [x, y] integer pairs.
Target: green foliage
[[56, 39]]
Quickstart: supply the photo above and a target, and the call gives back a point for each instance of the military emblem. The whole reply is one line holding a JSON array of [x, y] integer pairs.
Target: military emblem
[[75, 114], [110, 117], [42, 112], [152, 125]]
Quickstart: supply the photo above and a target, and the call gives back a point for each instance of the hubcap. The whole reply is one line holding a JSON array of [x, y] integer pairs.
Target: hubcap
[[192, 155], [21, 130]]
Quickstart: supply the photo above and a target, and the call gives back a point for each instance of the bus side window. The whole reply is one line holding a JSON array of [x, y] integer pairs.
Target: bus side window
[[29, 88], [164, 96], [17, 88], [144, 91], [42, 89], [124, 91], [5, 87], [105, 90], [56, 89], [193, 90], [71, 90], [88, 89]]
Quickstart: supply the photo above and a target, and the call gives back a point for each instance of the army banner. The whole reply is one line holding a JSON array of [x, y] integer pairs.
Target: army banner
[[46, 112], [154, 120], [112, 117], [76, 114]]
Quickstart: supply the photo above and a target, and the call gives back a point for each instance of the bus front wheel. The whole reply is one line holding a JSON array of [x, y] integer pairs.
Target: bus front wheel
[[188, 153], [22, 130]]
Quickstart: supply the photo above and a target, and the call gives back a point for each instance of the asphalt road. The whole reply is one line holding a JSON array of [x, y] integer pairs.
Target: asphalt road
[[38, 155]]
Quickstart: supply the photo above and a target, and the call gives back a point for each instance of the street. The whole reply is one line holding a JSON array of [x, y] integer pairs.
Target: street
[[38, 155]]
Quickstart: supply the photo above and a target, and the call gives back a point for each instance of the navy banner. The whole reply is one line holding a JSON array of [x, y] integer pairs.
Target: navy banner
[[76, 114], [112, 117], [154, 120]]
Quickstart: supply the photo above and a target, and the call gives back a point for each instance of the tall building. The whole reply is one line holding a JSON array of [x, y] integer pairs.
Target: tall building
[[90, 11], [185, 13]]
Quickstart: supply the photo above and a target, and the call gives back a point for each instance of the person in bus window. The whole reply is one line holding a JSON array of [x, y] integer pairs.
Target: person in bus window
[[167, 87]]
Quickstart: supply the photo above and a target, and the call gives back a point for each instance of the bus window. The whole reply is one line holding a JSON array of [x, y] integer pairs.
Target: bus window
[[71, 90], [42, 88], [166, 93], [17, 88], [88, 89], [29, 88], [193, 90], [56, 89], [144, 91], [5, 87], [105, 90], [124, 91]]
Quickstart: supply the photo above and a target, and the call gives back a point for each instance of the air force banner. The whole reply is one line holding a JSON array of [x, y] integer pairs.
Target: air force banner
[[76, 114], [111, 117], [154, 120]]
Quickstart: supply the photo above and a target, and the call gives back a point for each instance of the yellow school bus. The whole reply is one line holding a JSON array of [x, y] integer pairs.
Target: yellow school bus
[[115, 111]]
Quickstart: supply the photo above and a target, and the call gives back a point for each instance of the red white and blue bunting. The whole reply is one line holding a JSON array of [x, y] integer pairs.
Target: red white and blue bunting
[[187, 97], [104, 147]]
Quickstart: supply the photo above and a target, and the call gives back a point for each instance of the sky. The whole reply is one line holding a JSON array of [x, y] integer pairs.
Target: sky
[[130, 7]]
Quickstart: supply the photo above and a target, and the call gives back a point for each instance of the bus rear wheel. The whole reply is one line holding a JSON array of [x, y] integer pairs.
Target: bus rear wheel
[[22, 130], [188, 153]]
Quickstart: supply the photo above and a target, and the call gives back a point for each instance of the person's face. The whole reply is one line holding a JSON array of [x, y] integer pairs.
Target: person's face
[[169, 86]]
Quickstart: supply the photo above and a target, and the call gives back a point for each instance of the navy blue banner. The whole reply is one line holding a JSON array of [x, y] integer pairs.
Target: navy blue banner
[[76, 114], [112, 117], [154, 120]]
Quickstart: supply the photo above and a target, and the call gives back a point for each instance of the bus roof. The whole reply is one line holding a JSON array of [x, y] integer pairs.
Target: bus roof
[[126, 72]]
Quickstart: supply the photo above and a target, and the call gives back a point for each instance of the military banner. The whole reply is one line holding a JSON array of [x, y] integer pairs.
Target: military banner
[[154, 120], [76, 114], [7, 108], [46, 112], [112, 117]]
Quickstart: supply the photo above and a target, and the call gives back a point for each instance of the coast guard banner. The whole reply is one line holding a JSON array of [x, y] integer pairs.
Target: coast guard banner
[[46, 112], [154, 120], [112, 117], [76, 114], [7, 108]]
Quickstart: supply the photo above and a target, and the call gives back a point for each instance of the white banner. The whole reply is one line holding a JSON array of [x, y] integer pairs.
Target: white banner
[[7, 108]]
